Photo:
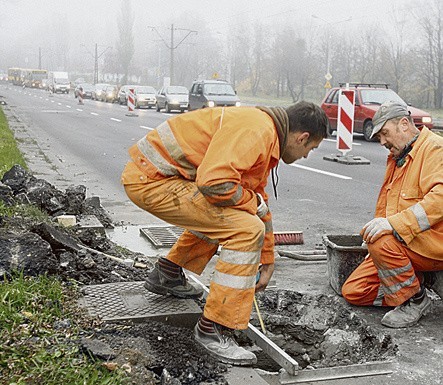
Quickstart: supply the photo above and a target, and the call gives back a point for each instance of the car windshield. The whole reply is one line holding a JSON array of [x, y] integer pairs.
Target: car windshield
[[374, 96], [145, 90], [87, 87], [219, 89], [177, 90]]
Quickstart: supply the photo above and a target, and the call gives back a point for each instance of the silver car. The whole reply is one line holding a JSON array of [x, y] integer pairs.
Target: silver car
[[173, 98], [144, 96]]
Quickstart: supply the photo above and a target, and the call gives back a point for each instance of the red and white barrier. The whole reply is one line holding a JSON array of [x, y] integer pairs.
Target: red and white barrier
[[345, 120], [80, 97], [131, 99]]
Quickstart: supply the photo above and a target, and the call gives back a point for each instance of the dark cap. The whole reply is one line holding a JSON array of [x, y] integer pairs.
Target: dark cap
[[387, 111]]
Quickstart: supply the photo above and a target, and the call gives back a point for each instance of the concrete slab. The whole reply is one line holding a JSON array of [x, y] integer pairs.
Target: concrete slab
[[347, 159], [131, 301]]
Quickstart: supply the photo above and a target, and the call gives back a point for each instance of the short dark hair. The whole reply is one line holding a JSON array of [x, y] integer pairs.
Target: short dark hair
[[308, 117]]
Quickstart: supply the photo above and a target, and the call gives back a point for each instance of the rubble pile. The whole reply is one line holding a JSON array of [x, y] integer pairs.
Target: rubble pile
[[319, 331]]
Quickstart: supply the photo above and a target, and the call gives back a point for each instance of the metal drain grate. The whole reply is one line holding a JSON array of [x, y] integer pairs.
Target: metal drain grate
[[131, 301], [162, 236]]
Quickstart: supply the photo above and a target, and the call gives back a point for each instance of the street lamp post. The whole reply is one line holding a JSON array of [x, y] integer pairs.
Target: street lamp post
[[96, 56], [328, 75]]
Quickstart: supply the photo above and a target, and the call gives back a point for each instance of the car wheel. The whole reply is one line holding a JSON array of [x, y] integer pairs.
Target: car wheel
[[167, 108], [157, 107], [367, 131], [182, 111]]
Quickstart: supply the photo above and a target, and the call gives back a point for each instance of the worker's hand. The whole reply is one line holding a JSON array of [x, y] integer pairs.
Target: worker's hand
[[262, 207], [375, 228], [266, 272]]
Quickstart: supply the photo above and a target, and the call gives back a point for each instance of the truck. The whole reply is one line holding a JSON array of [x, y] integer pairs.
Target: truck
[[58, 82]]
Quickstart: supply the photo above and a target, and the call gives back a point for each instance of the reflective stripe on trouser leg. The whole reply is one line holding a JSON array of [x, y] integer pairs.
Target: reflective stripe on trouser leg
[[232, 289], [395, 271]]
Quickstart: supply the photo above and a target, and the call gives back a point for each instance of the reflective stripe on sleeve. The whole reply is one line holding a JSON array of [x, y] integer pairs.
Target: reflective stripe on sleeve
[[221, 189], [420, 215], [174, 149], [204, 237], [155, 158], [240, 257]]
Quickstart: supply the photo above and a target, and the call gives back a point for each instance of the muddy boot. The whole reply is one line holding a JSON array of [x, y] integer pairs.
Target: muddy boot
[[168, 278], [216, 339], [408, 313]]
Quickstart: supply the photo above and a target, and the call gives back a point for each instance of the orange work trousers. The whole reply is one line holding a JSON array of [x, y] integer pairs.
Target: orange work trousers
[[389, 276], [240, 234]]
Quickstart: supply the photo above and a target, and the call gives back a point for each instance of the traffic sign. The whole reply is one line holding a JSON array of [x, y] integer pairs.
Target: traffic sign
[[328, 85]]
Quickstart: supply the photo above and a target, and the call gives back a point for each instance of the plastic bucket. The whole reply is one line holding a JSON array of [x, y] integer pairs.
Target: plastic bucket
[[344, 254]]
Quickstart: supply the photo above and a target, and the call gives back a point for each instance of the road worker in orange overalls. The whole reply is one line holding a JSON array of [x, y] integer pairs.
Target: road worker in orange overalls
[[405, 239], [206, 171]]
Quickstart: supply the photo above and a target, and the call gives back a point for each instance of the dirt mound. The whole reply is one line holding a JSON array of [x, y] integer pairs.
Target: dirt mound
[[320, 331]]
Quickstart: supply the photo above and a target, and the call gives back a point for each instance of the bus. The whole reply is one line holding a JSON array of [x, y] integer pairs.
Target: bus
[[33, 78], [15, 75]]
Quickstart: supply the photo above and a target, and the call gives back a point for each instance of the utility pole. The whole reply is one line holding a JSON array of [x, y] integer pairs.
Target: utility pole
[[172, 47], [39, 58], [96, 56]]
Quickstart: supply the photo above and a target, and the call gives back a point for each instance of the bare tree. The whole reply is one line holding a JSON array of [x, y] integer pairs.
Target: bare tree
[[432, 24], [125, 44]]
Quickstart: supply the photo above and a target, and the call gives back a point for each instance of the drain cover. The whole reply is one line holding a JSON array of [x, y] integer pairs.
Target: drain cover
[[131, 301], [162, 236]]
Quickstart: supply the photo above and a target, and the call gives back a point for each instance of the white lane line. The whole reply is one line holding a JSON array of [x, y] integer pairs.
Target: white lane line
[[335, 141], [147, 128], [94, 113], [68, 106], [59, 104], [116, 120], [320, 171], [52, 101], [79, 109]]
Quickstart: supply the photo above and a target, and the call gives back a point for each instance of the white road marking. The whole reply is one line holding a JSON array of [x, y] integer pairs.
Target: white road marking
[[59, 104], [335, 141], [68, 106], [320, 171], [79, 109], [94, 113], [148, 128], [116, 120]]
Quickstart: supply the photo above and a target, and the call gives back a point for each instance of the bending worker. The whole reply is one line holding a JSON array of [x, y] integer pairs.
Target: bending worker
[[206, 171], [405, 239]]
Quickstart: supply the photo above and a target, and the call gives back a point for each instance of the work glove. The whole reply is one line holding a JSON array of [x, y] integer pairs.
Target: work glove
[[375, 228], [262, 208]]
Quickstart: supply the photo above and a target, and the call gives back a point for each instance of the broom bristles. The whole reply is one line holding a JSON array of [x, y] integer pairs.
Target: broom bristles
[[288, 238]]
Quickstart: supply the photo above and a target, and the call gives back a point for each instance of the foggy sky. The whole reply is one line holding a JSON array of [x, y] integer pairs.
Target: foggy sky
[[30, 24]]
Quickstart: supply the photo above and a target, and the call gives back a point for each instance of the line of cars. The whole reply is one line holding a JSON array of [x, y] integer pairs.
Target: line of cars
[[203, 93]]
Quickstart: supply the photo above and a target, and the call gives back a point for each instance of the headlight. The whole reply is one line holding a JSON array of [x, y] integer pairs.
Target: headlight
[[237, 104], [426, 119], [211, 103]]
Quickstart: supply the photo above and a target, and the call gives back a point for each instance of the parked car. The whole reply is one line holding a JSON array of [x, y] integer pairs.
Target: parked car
[[123, 93], [98, 91], [368, 99], [212, 93], [144, 96], [109, 94], [173, 98], [87, 90]]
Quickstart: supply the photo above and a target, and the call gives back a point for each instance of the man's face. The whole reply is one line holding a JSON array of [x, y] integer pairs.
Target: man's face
[[298, 146], [394, 136]]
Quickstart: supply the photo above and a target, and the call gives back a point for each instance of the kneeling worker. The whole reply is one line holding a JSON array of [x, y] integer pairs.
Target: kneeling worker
[[405, 239], [206, 171]]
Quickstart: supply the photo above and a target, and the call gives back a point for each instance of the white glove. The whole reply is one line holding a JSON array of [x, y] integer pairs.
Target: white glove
[[375, 228], [262, 208]]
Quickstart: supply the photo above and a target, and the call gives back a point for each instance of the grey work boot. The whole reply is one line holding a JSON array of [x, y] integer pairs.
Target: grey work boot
[[223, 347], [160, 283], [407, 314]]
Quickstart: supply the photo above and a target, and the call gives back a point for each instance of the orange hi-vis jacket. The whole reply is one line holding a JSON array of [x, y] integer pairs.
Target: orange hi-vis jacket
[[411, 197], [228, 152]]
